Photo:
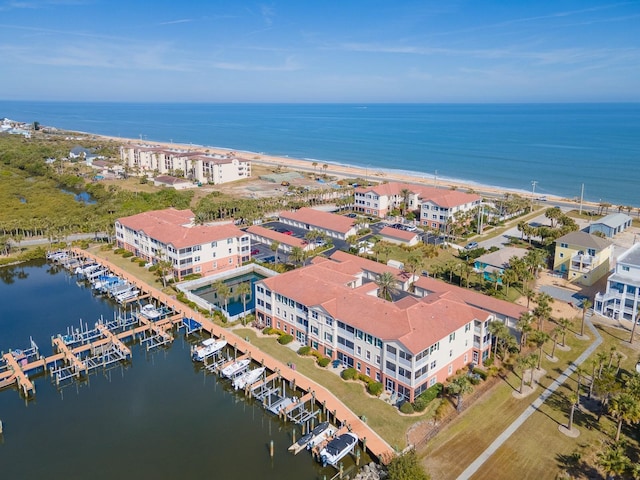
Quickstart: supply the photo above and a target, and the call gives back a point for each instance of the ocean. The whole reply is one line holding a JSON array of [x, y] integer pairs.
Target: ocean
[[560, 147], [157, 417]]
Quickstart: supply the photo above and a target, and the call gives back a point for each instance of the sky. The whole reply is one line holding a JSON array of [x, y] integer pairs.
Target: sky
[[293, 51]]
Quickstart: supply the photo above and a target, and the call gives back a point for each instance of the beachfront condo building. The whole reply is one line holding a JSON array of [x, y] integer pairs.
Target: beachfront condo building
[[436, 206], [171, 235], [408, 343], [582, 258], [200, 167], [622, 296]]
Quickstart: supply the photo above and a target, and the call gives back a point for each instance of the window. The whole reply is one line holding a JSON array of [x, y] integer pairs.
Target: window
[[452, 337], [328, 337], [432, 382], [564, 245], [359, 351], [591, 252], [391, 350], [467, 327], [368, 372], [214, 244], [367, 355], [433, 364], [358, 366], [625, 268], [450, 369], [377, 359]]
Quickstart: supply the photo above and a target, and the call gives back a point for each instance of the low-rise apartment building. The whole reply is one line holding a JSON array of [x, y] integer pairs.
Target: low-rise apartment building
[[197, 166], [407, 345], [436, 205], [331, 224], [622, 296], [171, 234]]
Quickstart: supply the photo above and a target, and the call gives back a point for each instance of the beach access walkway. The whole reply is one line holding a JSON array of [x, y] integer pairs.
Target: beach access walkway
[[517, 423], [371, 441]]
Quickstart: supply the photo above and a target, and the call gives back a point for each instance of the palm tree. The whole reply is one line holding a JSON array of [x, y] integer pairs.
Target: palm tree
[[524, 326], [386, 283], [405, 193], [624, 407], [564, 324], [555, 333], [586, 305], [223, 291], [613, 460], [243, 290], [498, 330], [543, 309], [533, 360], [573, 401], [414, 264], [460, 386], [275, 245], [298, 255], [539, 338]]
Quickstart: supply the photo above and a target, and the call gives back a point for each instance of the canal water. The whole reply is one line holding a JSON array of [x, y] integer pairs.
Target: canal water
[[158, 417]]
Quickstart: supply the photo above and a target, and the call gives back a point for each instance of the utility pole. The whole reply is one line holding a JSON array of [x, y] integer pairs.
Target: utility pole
[[533, 192], [581, 197]]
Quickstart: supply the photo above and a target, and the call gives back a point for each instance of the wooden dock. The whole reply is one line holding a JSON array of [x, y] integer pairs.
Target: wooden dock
[[24, 383], [342, 415]]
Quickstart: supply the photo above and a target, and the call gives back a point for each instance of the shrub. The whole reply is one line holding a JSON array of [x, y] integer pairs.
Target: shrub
[[349, 373], [119, 251], [420, 404], [324, 361], [430, 393], [375, 388], [153, 268], [481, 373], [364, 378], [267, 330], [142, 263], [306, 350], [127, 254], [134, 259], [475, 379], [407, 408], [285, 339], [488, 362]]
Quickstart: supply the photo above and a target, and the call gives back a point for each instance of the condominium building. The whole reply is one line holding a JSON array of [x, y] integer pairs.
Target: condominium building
[[436, 205], [331, 224], [197, 166], [622, 296], [171, 234], [408, 344]]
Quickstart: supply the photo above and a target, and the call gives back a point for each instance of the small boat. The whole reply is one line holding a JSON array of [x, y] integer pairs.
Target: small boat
[[236, 368], [327, 432], [126, 296], [338, 448], [206, 349], [149, 311], [304, 440], [279, 405], [247, 378]]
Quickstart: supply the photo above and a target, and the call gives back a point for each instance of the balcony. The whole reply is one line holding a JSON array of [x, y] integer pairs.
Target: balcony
[[582, 263]]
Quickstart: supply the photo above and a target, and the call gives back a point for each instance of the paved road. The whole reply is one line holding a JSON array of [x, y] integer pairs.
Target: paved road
[[511, 429]]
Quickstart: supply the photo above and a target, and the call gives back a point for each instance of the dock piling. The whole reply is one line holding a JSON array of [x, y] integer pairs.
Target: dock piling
[[271, 450]]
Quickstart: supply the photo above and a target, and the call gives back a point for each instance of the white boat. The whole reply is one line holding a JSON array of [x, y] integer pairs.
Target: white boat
[[247, 378], [207, 348], [151, 312], [128, 295], [304, 440], [236, 368], [324, 431], [338, 448]]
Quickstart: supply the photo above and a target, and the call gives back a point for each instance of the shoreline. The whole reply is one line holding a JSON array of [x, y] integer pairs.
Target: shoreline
[[341, 170]]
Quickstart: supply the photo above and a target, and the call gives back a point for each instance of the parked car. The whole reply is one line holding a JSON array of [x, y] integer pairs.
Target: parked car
[[471, 245], [255, 251], [288, 232]]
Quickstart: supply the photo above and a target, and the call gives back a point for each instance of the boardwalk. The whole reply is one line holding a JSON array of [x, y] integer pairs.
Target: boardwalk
[[375, 444]]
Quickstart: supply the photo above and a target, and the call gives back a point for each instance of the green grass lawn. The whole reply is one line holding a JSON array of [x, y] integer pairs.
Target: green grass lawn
[[537, 449]]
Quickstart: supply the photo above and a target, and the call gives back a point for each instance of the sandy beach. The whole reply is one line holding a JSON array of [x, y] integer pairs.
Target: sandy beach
[[341, 171]]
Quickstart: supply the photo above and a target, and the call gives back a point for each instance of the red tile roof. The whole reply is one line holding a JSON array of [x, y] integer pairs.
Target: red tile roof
[[276, 236], [470, 297], [416, 323], [318, 218], [175, 227], [365, 264], [442, 197], [398, 234]]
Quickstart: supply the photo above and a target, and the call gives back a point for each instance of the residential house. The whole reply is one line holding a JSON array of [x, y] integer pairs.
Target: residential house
[[171, 234], [622, 296], [583, 258], [331, 224], [173, 182], [611, 225], [408, 345], [494, 263]]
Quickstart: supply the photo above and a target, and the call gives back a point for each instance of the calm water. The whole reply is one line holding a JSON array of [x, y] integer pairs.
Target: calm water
[[560, 146], [158, 417]]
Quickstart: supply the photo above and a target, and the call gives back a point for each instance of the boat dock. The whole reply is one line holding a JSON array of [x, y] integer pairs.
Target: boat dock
[[272, 396]]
